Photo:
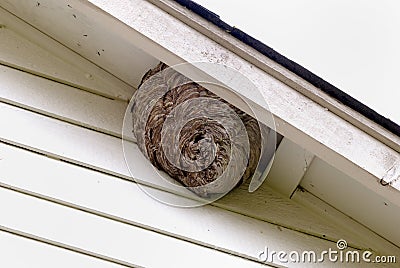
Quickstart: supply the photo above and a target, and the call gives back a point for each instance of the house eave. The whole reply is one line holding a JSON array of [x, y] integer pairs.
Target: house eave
[[305, 115]]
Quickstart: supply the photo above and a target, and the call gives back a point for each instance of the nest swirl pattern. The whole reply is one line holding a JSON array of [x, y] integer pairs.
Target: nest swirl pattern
[[203, 147]]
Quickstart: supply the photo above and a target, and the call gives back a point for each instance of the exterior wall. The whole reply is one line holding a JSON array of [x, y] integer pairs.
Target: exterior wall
[[69, 200]]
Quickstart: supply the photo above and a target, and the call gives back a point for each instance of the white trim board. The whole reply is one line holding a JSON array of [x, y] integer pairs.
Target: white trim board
[[290, 164]]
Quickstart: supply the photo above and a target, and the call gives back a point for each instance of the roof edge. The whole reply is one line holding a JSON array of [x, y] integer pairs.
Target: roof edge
[[294, 67]]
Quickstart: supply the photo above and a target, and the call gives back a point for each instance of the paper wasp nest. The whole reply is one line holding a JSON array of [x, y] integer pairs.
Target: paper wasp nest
[[174, 130]]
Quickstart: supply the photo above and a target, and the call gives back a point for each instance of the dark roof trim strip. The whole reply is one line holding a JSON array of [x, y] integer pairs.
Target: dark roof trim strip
[[299, 70]]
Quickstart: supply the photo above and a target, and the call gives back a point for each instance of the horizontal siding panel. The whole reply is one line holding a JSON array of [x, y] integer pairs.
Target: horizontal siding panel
[[104, 153], [123, 201], [267, 205], [112, 239], [24, 47], [61, 101], [75, 144], [21, 252], [62, 140]]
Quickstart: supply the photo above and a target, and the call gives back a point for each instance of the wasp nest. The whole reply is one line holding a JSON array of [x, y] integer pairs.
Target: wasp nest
[[151, 111]]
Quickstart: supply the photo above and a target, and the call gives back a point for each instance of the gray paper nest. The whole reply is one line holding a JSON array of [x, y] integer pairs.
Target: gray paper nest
[[162, 90]]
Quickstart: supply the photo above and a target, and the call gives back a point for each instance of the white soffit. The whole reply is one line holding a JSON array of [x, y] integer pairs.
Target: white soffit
[[128, 26]]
